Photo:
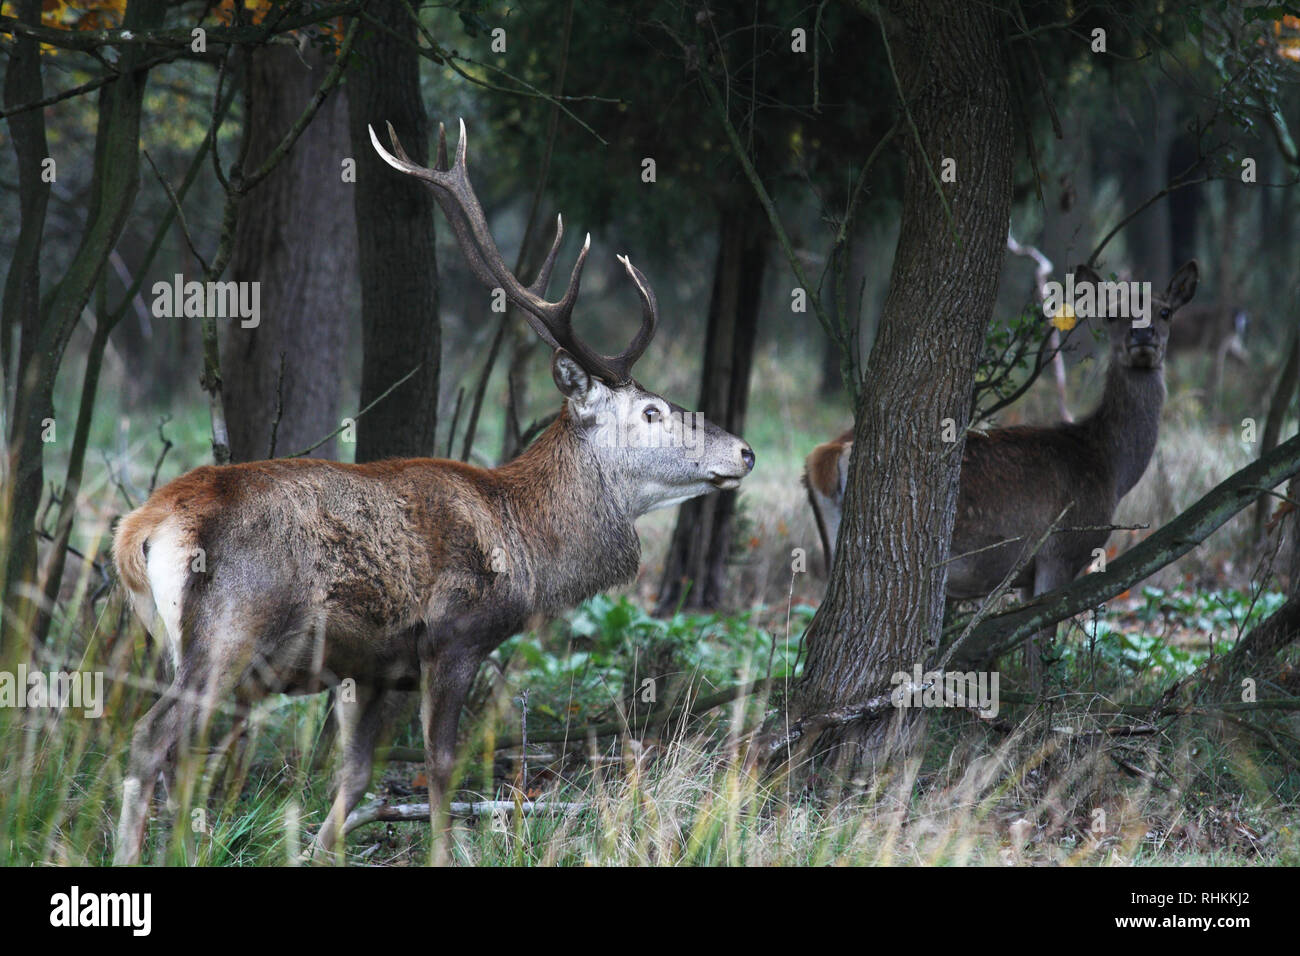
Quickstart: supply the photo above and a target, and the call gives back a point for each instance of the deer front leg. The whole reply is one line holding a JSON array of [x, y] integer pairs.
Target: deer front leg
[[445, 682]]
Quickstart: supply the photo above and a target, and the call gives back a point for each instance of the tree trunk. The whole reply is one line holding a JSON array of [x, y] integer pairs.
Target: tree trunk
[[884, 606], [1142, 175], [295, 239], [695, 571], [1184, 204], [395, 232]]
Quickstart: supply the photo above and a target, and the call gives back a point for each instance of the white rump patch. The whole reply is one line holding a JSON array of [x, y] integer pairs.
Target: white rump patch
[[168, 568]]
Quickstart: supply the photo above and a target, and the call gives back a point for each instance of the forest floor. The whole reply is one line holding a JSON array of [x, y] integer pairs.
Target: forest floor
[[1059, 780]]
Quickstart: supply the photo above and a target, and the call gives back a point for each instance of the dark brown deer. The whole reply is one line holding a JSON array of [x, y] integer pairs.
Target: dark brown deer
[[404, 575], [1015, 482]]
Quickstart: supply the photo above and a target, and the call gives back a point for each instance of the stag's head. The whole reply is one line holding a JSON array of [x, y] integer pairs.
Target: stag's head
[[1140, 344], [654, 453]]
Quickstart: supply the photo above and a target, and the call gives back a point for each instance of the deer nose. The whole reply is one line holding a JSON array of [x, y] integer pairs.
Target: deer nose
[[747, 456], [1142, 336]]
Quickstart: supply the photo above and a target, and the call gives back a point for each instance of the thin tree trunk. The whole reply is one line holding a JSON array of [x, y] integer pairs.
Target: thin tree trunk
[[884, 607], [114, 183], [58, 554], [695, 571], [395, 232], [1146, 238], [21, 471], [1184, 204], [296, 239]]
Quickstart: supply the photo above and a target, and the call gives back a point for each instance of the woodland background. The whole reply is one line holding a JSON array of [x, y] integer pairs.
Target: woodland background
[[795, 210]]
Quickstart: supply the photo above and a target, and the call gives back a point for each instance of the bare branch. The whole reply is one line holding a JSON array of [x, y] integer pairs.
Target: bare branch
[[388, 391], [419, 812]]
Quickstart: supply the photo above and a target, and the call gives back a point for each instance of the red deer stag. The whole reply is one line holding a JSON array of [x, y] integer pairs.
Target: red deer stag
[[404, 575], [1016, 481]]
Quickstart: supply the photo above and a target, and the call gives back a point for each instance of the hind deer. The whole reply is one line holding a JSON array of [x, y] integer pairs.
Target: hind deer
[[1015, 482], [404, 575]]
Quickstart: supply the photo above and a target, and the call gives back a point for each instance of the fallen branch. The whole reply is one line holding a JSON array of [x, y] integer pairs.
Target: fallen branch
[[381, 812], [610, 728], [768, 745], [1158, 709]]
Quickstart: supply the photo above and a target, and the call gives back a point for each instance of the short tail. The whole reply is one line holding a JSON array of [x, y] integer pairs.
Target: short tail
[[129, 549]]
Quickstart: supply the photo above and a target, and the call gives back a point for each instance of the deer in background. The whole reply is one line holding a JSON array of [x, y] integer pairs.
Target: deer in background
[[825, 474], [1212, 329], [405, 574], [1016, 482]]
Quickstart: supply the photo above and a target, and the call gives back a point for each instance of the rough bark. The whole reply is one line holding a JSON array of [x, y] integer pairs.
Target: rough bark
[[695, 571], [884, 605], [296, 239], [395, 232]]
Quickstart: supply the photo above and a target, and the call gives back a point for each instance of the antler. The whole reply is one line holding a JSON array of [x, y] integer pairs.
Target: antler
[[553, 321]]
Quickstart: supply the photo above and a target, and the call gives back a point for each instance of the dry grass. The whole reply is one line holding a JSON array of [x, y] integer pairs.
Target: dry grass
[[1023, 791]]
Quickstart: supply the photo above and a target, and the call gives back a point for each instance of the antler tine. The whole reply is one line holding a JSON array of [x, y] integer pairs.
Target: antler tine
[[552, 321], [649, 319], [461, 207], [397, 144], [543, 278], [616, 369]]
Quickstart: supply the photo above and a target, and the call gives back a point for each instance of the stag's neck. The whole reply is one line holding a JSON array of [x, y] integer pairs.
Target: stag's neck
[[1127, 422], [578, 536]]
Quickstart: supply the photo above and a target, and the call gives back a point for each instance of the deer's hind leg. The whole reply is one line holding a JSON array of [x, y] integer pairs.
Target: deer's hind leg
[[217, 653], [1049, 573]]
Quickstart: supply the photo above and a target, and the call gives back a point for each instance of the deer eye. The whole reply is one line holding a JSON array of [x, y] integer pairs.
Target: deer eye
[[1164, 314], [651, 414]]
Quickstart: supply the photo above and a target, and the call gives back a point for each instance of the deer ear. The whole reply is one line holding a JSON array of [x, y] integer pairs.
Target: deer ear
[[1183, 285], [570, 378], [1085, 273]]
